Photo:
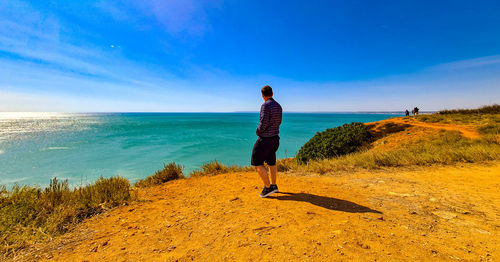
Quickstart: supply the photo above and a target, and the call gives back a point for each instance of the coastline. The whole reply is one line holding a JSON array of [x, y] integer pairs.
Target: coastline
[[135, 145]]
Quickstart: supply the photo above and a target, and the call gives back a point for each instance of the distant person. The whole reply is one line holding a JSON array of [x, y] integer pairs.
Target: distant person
[[268, 142], [407, 113], [416, 111], [413, 111]]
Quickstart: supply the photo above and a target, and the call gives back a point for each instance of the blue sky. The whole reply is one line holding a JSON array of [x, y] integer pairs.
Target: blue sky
[[152, 55]]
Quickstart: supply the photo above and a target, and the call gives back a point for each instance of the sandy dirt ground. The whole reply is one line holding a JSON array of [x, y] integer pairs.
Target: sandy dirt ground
[[435, 213]]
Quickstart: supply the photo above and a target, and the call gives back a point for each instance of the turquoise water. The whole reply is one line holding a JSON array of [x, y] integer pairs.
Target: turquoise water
[[35, 147]]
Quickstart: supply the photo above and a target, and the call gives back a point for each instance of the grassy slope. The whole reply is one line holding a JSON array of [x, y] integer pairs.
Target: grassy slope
[[404, 142], [30, 214]]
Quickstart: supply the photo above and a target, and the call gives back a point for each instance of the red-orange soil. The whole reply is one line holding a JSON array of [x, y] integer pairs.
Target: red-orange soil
[[437, 213]]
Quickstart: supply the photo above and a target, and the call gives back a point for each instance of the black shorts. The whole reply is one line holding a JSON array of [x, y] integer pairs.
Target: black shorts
[[265, 150]]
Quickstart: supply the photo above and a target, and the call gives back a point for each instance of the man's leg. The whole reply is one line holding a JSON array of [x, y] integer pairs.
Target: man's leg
[[273, 170], [263, 174]]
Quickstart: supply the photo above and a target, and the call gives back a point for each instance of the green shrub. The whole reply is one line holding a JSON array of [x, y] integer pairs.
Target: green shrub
[[335, 142], [171, 171]]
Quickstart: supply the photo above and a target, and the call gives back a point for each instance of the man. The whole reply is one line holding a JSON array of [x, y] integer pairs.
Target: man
[[268, 142]]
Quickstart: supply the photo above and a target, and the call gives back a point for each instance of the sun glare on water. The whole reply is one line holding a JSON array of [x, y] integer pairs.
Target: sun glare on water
[[30, 115]]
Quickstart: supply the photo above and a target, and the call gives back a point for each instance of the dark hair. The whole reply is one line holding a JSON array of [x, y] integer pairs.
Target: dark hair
[[267, 91]]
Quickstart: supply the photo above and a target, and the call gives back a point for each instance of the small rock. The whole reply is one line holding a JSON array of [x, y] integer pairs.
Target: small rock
[[337, 232], [484, 232], [445, 214], [399, 194]]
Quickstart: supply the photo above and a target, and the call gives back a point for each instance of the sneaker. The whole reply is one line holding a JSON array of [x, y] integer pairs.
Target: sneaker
[[274, 188], [267, 191]]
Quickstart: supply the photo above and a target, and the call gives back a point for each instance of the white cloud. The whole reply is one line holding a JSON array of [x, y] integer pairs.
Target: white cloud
[[469, 63], [215, 90], [186, 17]]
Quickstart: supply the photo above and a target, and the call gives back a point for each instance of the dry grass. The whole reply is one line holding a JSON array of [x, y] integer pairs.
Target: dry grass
[[29, 214], [492, 109], [461, 119], [490, 129], [215, 167], [171, 171], [487, 115]]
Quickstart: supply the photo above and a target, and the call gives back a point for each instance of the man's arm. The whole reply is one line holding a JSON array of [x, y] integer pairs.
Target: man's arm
[[264, 120]]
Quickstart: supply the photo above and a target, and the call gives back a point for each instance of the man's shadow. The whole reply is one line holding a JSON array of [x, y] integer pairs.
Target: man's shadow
[[326, 202]]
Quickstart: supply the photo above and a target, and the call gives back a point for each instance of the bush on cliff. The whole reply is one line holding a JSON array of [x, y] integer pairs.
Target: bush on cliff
[[335, 142], [171, 171], [29, 214], [215, 167]]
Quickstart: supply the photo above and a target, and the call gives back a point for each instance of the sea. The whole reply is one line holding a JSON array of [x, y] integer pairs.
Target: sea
[[35, 147]]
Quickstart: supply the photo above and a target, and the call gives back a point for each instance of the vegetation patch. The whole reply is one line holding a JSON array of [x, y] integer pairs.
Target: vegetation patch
[[29, 214], [490, 129], [171, 171], [440, 147], [492, 109], [485, 115], [446, 147], [286, 164], [215, 168], [335, 142]]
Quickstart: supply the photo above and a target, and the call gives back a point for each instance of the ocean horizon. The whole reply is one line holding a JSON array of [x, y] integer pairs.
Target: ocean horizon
[[81, 147]]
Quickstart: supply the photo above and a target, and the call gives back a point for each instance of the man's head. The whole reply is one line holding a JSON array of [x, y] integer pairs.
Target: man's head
[[267, 92]]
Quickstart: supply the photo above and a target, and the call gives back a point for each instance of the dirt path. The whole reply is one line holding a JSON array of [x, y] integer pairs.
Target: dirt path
[[428, 214], [467, 131]]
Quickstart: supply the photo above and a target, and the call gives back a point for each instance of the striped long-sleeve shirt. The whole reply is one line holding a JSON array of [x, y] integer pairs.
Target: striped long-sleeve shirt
[[270, 119]]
